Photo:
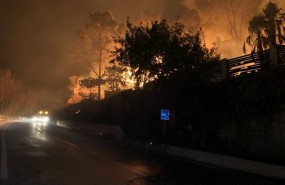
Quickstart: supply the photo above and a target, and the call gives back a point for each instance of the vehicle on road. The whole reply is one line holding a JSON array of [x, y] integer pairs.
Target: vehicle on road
[[41, 117]]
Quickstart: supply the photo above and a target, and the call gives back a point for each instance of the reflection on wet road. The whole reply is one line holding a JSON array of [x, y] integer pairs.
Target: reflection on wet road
[[37, 130], [41, 153]]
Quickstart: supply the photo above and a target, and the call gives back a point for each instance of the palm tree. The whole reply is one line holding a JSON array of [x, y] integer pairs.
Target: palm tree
[[274, 23], [257, 38], [266, 30]]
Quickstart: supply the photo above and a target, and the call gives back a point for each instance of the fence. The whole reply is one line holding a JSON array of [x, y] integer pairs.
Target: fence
[[281, 55], [253, 62]]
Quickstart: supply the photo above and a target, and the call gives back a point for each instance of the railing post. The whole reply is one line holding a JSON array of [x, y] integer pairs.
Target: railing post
[[273, 56], [224, 69]]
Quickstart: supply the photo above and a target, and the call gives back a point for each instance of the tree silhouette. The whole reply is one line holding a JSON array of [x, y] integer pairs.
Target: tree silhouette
[[232, 15], [158, 52], [90, 84], [115, 78], [275, 27], [95, 42], [257, 38], [9, 91], [267, 29]]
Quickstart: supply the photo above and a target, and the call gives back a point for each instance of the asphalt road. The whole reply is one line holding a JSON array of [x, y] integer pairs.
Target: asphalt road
[[37, 154]]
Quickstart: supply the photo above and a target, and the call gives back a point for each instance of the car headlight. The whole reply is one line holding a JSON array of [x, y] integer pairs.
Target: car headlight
[[45, 119], [35, 118]]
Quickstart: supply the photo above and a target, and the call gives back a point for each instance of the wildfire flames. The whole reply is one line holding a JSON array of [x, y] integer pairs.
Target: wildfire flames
[[224, 25]]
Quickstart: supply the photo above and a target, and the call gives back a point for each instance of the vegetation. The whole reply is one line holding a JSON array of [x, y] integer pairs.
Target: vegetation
[[233, 15], [10, 91], [115, 77], [95, 42], [159, 52], [241, 117], [90, 84], [267, 29], [173, 68]]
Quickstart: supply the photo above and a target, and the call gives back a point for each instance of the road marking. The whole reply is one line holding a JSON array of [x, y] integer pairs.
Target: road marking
[[132, 170], [4, 166], [64, 141], [70, 144]]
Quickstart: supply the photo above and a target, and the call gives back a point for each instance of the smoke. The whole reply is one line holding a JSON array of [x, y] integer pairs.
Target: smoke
[[189, 3], [36, 37]]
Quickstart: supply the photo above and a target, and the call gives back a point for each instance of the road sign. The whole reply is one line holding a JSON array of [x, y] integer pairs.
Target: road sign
[[164, 115]]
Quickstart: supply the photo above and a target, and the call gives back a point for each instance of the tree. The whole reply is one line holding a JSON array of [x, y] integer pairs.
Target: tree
[[257, 38], [267, 29], [232, 14], [159, 52], [9, 91], [90, 84], [115, 77], [95, 42], [275, 23]]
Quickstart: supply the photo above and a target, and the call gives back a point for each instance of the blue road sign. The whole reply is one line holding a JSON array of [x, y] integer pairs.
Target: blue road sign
[[164, 115]]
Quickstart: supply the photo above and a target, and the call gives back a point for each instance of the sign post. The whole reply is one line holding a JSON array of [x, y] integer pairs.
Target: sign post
[[164, 116]]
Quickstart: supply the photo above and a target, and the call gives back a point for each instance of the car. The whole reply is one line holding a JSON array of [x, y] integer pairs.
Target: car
[[41, 117]]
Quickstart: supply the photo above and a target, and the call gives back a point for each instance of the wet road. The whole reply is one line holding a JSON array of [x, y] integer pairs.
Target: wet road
[[49, 155]]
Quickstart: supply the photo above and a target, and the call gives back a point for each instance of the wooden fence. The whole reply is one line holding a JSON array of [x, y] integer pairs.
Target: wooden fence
[[281, 55], [251, 63]]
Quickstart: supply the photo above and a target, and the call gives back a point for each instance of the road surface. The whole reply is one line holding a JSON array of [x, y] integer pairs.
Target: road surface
[[38, 154]]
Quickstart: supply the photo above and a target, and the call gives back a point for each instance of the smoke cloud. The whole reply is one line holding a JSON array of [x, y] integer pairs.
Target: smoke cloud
[[36, 37]]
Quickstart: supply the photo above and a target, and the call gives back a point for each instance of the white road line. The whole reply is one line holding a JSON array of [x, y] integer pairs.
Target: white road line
[[70, 144], [132, 170], [4, 166], [64, 141]]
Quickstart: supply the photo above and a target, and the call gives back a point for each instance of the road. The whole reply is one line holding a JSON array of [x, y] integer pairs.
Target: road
[[38, 154]]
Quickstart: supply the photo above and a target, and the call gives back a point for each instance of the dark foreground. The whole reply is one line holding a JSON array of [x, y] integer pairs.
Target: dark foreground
[[49, 155]]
